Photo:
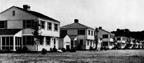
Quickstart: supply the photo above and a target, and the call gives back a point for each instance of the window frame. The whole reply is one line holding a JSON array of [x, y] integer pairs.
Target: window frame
[[55, 27], [3, 25], [80, 32], [104, 36], [49, 27]]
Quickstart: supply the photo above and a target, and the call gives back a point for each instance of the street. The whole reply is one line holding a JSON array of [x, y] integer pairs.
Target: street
[[106, 56]]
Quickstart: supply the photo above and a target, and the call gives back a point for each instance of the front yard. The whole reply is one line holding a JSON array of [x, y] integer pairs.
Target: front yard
[[109, 56]]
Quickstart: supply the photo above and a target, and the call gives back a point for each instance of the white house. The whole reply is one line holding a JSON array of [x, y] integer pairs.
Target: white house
[[82, 36], [16, 29]]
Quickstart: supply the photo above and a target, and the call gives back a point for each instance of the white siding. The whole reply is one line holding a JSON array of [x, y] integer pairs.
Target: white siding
[[19, 15]]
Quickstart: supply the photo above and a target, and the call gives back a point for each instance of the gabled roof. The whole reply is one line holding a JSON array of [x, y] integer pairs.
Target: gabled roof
[[37, 14], [105, 31], [75, 26], [9, 31]]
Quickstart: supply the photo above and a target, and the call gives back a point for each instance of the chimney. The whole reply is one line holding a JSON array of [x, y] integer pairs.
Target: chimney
[[26, 7], [100, 27], [76, 21]]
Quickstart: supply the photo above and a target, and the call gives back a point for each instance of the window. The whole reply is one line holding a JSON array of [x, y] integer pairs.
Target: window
[[54, 41], [55, 27], [28, 40], [7, 43], [104, 43], [28, 23], [91, 32], [81, 32], [49, 26], [41, 40], [13, 13], [42, 24], [88, 32], [48, 40], [81, 42], [3, 24], [87, 42], [105, 35]]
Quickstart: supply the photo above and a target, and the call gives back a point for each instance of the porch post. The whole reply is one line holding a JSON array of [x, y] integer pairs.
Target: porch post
[[14, 43]]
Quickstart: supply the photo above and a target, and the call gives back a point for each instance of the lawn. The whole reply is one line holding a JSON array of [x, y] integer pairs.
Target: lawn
[[109, 56]]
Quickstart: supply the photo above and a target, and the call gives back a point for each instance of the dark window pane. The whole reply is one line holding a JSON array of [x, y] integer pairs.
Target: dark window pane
[[81, 32], [55, 27], [48, 40], [42, 24], [105, 36], [7, 40], [3, 24], [49, 26], [81, 42], [11, 40], [3, 40], [41, 40]]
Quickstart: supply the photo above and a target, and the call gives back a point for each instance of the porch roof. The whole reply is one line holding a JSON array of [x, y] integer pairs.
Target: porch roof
[[9, 31], [72, 36]]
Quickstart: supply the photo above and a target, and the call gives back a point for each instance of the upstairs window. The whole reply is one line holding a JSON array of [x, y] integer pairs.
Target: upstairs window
[[88, 32], [13, 13], [81, 32], [28, 23], [105, 35], [92, 33], [3, 24], [55, 27], [49, 26], [42, 24]]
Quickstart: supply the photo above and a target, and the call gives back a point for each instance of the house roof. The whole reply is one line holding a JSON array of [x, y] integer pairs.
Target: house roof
[[37, 14], [105, 31], [75, 26], [9, 31]]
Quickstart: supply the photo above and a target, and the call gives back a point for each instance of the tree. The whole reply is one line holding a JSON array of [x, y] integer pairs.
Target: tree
[[36, 33]]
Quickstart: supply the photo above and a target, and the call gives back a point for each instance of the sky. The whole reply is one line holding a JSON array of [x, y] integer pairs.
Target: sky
[[109, 14]]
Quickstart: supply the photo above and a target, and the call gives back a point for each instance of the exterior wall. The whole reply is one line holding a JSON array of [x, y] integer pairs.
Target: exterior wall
[[72, 32], [14, 24], [19, 15], [27, 31], [67, 41], [61, 43], [46, 32], [90, 36]]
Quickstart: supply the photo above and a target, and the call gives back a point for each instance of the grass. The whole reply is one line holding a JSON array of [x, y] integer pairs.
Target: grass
[[109, 56]]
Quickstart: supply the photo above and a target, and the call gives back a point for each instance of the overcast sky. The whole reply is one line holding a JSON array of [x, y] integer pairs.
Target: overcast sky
[[110, 14]]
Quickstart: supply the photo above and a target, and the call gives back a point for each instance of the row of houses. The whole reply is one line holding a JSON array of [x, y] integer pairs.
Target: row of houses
[[16, 31]]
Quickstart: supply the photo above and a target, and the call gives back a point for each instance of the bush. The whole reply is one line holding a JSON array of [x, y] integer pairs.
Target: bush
[[91, 48], [44, 51], [73, 50], [63, 50], [54, 49], [22, 50]]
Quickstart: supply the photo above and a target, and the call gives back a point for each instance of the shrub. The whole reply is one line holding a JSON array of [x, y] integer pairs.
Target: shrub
[[91, 48], [54, 49], [63, 50], [44, 51], [73, 50], [25, 49]]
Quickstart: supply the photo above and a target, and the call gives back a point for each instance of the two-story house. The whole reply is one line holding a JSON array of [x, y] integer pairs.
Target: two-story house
[[82, 36], [16, 29], [106, 38], [121, 41]]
